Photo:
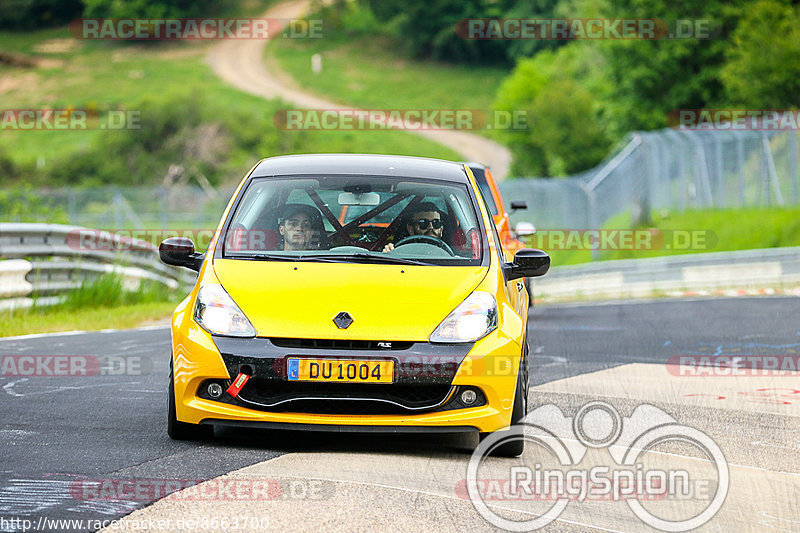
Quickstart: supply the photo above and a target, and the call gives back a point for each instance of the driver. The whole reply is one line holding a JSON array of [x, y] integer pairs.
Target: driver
[[425, 220]]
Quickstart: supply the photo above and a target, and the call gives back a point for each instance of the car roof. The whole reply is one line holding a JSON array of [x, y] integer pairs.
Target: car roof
[[361, 165]]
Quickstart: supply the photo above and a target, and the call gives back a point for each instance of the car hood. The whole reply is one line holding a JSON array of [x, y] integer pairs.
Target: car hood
[[386, 302]]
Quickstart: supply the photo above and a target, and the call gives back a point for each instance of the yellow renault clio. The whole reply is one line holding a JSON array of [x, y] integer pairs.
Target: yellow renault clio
[[359, 293]]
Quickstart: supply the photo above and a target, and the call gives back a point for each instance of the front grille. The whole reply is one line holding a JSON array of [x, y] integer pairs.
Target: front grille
[[271, 392], [343, 407], [345, 398], [340, 344]]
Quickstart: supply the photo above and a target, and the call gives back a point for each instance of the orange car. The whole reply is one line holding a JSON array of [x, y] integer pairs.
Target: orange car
[[502, 218], [493, 200]]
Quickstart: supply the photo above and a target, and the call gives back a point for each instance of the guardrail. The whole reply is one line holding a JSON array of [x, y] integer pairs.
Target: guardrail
[[772, 268], [47, 260]]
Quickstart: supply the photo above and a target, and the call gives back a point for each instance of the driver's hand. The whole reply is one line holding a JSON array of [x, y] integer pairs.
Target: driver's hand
[[388, 248]]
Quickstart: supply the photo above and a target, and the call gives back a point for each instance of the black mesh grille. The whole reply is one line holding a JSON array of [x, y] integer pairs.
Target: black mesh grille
[[343, 407], [340, 344], [340, 398]]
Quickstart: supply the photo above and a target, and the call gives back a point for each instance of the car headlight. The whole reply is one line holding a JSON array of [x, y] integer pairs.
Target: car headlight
[[217, 313], [473, 319]]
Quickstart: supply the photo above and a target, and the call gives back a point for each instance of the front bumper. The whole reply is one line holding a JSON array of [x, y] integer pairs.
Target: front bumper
[[489, 365]]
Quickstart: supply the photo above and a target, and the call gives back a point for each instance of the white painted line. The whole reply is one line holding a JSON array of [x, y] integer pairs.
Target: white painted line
[[38, 335], [9, 387], [81, 332]]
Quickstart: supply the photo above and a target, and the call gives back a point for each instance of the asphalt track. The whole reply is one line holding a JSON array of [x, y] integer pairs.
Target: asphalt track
[[63, 437]]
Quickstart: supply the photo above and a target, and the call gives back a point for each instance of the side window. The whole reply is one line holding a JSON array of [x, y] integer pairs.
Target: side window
[[500, 253], [486, 192]]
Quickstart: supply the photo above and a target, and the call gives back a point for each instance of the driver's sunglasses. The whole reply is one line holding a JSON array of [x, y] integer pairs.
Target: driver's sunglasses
[[423, 223]]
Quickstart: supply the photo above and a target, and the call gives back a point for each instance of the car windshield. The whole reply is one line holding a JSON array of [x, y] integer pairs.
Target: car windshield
[[374, 219]]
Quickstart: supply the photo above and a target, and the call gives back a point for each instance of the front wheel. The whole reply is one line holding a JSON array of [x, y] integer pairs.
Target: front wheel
[[178, 430], [515, 447]]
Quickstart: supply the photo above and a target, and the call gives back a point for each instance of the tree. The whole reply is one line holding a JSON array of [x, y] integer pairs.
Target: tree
[[560, 92], [763, 60], [28, 14], [427, 29], [651, 78]]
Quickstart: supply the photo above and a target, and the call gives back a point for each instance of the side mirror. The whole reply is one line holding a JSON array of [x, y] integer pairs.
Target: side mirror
[[528, 263], [523, 229], [519, 204], [179, 251]]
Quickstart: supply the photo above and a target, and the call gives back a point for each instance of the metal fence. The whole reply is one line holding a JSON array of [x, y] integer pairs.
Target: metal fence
[[670, 169], [723, 273], [39, 263], [145, 207]]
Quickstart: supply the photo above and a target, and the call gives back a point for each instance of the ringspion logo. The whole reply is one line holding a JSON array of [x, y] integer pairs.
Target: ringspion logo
[[563, 471]]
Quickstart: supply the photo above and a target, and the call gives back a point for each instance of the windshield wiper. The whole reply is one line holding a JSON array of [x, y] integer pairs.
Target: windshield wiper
[[334, 258], [379, 258], [279, 257]]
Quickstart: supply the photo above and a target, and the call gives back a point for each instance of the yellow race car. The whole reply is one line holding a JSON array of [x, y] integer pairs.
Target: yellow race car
[[360, 293]]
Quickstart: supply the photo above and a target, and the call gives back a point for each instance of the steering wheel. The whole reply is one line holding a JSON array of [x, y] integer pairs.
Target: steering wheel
[[425, 239]]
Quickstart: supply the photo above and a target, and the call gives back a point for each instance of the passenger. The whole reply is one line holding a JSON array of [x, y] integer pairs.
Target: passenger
[[301, 228]]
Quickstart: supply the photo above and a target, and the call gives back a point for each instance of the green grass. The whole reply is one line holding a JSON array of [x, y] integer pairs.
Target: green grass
[[712, 230], [100, 303], [42, 320], [365, 72], [103, 75]]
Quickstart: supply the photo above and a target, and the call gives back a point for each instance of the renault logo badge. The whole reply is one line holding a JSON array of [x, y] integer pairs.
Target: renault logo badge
[[343, 320]]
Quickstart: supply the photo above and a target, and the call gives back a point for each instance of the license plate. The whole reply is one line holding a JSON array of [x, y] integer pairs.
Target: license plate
[[340, 370]]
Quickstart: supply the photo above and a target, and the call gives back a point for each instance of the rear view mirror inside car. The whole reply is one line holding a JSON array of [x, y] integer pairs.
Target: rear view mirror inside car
[[364, 198]]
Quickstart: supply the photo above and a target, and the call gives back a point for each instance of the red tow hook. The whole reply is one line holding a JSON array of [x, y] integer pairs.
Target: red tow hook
[[238, 384]]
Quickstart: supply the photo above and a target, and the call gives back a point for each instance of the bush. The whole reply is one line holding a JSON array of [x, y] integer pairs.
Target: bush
[[172, 131], [565, 131], [153, 8]]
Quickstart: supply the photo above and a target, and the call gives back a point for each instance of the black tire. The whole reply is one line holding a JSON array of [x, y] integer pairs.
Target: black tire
[[514, 448], [529, 286], [183, 430]]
